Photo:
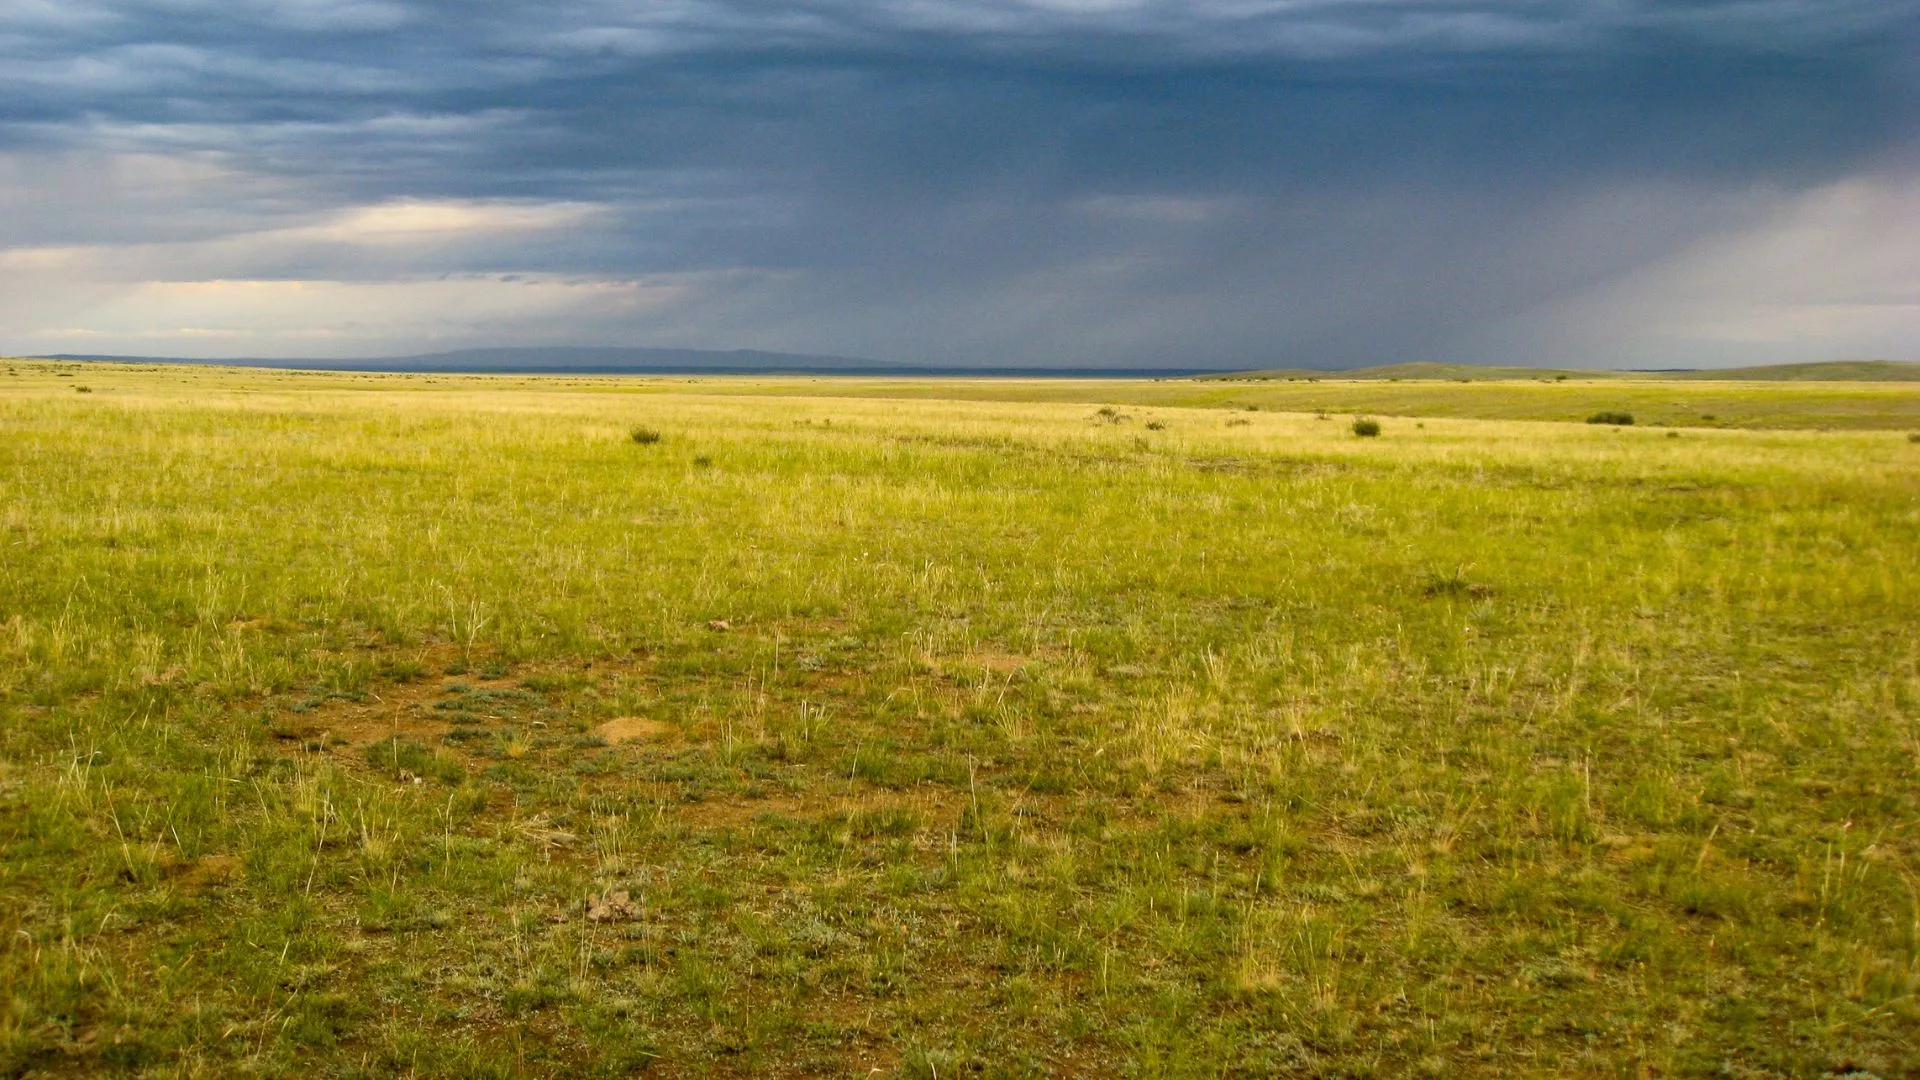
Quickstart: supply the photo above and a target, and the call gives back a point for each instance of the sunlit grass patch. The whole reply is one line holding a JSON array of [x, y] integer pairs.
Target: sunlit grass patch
[[429, 726]]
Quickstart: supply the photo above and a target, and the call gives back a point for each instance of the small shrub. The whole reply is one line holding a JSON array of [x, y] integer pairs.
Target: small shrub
[[645, 436], [1155, 425], [83, 389], [1913, 436], [1622, 419], [1366, 428]]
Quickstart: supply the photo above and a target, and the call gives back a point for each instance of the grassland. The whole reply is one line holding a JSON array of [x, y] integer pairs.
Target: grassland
[[357, 726], [1758, 405]]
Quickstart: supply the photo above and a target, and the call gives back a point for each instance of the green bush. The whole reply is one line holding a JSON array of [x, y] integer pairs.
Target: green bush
[[1366, 428], [1621, 418], [645, 436]]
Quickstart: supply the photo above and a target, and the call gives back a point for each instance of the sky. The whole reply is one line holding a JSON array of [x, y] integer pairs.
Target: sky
[[1215, 183]]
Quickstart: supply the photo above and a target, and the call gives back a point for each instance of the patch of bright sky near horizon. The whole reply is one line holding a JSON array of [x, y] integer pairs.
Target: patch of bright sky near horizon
[[1242, 183]]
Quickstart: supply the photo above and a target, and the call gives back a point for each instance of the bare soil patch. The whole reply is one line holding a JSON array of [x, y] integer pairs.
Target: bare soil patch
[[626, 729]]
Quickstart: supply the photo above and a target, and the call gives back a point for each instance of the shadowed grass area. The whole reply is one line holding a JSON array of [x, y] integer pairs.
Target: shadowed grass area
[[370, 725]]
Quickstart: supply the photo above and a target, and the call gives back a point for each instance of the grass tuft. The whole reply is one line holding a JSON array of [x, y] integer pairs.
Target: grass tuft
[[402, 759]]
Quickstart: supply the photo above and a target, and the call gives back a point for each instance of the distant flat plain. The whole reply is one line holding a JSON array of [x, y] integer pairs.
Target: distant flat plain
[[1728, 404], [439, 726], [1862, 396]]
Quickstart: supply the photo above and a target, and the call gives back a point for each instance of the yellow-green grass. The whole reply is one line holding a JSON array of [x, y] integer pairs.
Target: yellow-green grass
[[1755, 405], [1759, 404], [1750, 405], [947, 737]]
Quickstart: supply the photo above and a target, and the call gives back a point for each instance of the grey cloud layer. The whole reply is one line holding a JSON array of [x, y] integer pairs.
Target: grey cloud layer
[[1209, 182]]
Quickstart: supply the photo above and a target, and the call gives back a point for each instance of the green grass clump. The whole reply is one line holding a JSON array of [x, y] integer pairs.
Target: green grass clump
[[402, 759], [1611, 417], [644, 436], [956, 736], [1366, 428]]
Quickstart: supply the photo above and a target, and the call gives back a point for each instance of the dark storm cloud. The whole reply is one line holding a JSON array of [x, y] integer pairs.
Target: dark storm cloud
[[1205, 182]]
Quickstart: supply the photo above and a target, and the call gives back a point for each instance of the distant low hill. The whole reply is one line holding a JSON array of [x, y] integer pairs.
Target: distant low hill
[[631, 359], [1828, 371], [565, 359], [1426, 370], [617, 360], [1831, 371], [635, 360]]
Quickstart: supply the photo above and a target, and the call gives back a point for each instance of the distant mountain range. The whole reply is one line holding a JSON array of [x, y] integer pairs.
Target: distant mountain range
[[624, 360], [644, 361], [522, 360]]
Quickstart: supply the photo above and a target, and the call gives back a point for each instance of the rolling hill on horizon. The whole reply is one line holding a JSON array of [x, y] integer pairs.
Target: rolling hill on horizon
[[521, 360], [643, 360], [609, 360], [1826, 371], [1822, 371]]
